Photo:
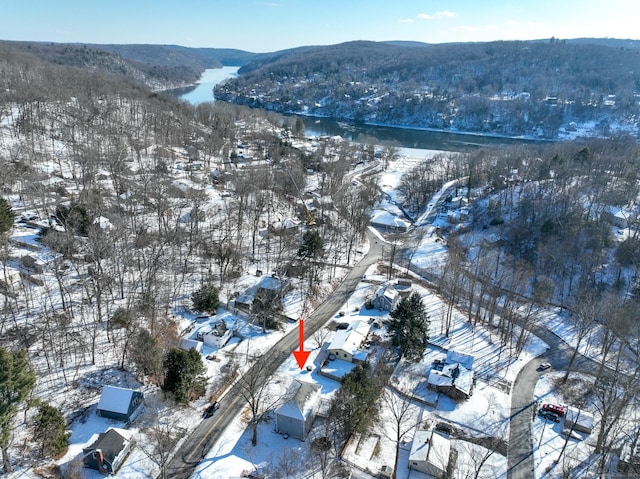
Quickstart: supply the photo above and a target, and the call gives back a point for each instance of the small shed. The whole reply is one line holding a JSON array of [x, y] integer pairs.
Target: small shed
[[296, 416], [430, 452], [119, 403], [107, 453]]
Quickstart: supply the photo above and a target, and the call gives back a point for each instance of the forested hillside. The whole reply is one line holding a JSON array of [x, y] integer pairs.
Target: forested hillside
[[156, 66], [514, 88]]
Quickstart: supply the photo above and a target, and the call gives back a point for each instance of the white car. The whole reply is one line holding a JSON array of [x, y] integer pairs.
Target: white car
[[544, 366]]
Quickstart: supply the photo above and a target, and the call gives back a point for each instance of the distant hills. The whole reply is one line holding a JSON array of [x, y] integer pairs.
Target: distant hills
[[540, 88], [516, 88], [157, 66]]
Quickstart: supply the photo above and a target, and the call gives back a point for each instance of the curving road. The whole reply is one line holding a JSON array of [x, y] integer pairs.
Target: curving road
[[195, 446], [523, 407]]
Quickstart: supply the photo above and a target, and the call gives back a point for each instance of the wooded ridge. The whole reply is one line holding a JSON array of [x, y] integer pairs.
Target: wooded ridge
[[532, 88]]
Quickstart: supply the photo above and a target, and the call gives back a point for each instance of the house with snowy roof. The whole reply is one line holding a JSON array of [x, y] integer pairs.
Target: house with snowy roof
[[218, 334], [121, 404], [385, 298], [454, 380], [346, 342], [296, 416], [387, 221], [454, 356], [108, 451], [430, 453], [268, 288]]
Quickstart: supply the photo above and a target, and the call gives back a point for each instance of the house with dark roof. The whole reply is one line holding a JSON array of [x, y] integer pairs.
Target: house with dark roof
[[119, 403], [107, 453], [295, 417]]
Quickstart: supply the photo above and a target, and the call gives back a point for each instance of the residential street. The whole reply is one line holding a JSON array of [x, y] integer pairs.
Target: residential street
[[194, 448]]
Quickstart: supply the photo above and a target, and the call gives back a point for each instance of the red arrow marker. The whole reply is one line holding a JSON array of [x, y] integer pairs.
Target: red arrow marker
[[301, 355]]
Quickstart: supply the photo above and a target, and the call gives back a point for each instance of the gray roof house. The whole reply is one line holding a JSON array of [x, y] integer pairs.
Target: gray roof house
[[119, 403], [296, 416], [385, 298], [107, 453]]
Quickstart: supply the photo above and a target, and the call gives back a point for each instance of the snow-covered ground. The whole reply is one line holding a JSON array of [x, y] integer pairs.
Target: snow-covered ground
[[485, 412]]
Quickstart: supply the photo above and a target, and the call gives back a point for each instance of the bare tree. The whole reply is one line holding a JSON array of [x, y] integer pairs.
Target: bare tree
[[404, 418], [254, 389], [162, 433]]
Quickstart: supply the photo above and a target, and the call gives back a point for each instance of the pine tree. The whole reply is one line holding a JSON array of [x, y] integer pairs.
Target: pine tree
[[184, 374], [51, 431], [409, 327], [206, 299], [6, 216], [312, 245], [17, 379]]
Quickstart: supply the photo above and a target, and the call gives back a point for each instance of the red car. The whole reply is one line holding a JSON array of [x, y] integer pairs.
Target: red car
[[559, 410]]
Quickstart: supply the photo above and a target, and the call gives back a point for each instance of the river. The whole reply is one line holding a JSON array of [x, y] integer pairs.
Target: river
[[203, 91], [402, 137]]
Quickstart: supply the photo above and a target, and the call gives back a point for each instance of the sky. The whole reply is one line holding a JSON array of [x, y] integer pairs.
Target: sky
[[271, 25]]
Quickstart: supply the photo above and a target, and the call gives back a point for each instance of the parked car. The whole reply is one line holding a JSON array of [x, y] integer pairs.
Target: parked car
[[444, 427], [559, 410], [549, 415], [211, 409], [544, 366]]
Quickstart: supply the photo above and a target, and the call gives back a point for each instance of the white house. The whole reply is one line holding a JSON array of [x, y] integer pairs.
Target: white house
[[430, 452], [218, 335], [296, 416], [346, 342], [387, 221]]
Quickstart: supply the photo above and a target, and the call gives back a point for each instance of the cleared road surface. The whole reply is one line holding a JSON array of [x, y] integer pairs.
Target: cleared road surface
[[195, 447]]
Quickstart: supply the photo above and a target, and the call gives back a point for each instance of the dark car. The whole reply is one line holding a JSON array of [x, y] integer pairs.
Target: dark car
[[552, 416], [211, 409], [444, 427]]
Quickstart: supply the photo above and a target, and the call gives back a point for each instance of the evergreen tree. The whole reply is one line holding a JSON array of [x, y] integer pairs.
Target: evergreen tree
[[409, 327], [354, 407], [6, 216], [206, 299], [184, 374], [312, 245], [51, 431], [17, 379]]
